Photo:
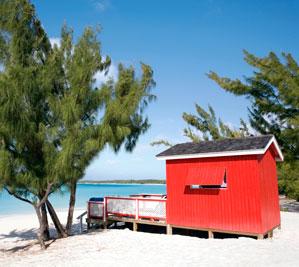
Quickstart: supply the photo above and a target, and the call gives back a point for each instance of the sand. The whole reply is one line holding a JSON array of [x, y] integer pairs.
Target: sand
[[127, 248]]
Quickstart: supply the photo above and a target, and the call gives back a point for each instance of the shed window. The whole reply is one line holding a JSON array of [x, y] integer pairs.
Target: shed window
[[206, 177]]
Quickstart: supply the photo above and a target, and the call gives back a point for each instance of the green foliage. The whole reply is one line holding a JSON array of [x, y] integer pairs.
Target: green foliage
[[161, 142], [205, 126], [273, 90], [289, 182], [53, 119], [23, 104]]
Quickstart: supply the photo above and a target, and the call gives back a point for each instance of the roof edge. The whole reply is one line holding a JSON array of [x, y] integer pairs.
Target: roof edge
[[228, 153], [213, 154], [274, 141]]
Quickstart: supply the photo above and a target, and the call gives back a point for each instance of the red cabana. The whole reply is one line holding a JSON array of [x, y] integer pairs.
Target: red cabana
[[228, 185]]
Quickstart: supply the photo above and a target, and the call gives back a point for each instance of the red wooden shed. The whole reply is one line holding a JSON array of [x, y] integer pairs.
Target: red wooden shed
[[228, 185]]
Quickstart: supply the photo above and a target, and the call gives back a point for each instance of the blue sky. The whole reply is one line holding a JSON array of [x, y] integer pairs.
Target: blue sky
[[182, 41]]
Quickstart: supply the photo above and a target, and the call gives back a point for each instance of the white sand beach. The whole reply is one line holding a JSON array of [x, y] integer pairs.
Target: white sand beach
[[127, 248]]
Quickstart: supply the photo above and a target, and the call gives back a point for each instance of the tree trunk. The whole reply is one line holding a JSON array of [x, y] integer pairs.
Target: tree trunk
[[46, 233], [41, 227], [61, 233], [40, 210], [73, 188]]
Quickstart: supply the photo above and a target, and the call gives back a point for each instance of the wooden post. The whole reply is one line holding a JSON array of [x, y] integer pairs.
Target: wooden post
[[81, 225], [105, 213], [260, 236], [279, 227], [270, 234], [135, 226], [105, 225], [105, 210], [136, 209], [169, 229], [211, 234]]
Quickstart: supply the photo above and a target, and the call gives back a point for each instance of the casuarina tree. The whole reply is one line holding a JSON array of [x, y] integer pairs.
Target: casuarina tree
[[204, 126], [54, 119], [91, 117]]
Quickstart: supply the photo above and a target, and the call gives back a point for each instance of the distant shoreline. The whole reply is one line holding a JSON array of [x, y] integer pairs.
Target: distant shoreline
[[85, 190]]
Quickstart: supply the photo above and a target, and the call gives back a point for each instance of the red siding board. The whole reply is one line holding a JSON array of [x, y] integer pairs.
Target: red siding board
[[236, 208]]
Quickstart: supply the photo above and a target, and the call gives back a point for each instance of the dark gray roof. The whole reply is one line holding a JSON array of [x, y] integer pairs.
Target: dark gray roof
[[224, 145]]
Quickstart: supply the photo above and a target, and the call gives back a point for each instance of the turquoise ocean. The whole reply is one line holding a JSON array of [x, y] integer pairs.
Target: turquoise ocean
[[10, 205]]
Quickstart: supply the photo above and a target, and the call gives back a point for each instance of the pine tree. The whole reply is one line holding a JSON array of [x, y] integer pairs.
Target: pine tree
[[273, 90], [205, 126], [53, 119], [23, 108]]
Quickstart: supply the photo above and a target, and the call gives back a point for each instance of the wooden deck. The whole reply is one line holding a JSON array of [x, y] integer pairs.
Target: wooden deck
[[169, 227], [135, 222], [148, 211]]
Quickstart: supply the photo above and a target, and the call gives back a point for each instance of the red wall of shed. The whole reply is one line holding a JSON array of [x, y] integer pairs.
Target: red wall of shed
[[236, 208], [269, 190]]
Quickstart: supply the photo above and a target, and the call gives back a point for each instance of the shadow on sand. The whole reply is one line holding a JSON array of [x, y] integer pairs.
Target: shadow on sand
[[24, 235], [31, 235]]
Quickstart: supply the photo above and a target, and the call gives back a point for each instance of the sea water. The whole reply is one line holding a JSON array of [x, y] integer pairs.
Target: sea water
[[11, 205]]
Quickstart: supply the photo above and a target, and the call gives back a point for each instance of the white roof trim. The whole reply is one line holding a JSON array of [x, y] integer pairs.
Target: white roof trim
[[228, 153], [273, 140]]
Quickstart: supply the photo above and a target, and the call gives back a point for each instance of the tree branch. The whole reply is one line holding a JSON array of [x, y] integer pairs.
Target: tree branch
[[18, 197], [45, 197], [161, 142]]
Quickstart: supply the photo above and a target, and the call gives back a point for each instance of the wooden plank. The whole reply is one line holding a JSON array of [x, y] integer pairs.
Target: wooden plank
[[215, 230], [95, 221], [135, 226], [140, 221]]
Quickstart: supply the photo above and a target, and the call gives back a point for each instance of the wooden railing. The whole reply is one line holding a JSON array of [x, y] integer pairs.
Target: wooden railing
[[96, 209], [138, 208], [133, 207]]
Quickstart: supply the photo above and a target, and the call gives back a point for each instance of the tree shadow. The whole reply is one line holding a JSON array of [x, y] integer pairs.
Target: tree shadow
[[50, 242], [31, 235], [19, 248], [76, 228], [24, 235]]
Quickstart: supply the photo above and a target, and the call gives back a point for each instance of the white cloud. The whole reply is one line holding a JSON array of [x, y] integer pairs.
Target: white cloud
[[101, 5], [111, 162], [102, 78], [55, 41]]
